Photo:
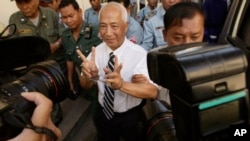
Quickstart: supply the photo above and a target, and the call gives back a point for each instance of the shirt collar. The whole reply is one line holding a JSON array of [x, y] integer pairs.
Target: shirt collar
[[42, 16], [69, 33], [93, 11], [119, 50]]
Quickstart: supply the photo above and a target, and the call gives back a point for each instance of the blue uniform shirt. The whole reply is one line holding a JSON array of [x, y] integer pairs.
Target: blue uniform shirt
[[91, 16], [142, 14], [153, 28], [135, 31]]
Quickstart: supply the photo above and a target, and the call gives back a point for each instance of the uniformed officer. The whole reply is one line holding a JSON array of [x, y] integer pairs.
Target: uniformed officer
[[144, 12], [135, 31], [153, 26], [91, 14], [79, 35], [36, 21]]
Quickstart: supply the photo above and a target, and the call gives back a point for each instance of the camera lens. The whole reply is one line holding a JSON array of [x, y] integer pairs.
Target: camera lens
[[45, 77], [161, 128], [159, 124]]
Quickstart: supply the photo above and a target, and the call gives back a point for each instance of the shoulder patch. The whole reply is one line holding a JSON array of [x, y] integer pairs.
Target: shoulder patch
[[133, 39], [150, 15]]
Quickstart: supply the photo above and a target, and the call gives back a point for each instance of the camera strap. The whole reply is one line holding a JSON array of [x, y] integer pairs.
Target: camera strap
[[13, 27], [22, 120]]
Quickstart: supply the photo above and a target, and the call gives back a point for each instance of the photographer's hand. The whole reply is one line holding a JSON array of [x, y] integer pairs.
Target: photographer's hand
[[40, 118]]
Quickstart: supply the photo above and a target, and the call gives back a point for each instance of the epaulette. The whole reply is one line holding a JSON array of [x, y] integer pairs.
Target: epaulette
[[150, 15]]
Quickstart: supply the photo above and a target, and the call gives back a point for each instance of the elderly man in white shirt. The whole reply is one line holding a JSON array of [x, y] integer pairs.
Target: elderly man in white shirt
[[120, 100]]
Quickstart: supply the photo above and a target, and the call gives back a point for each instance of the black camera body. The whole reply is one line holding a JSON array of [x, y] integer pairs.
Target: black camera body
[[44, 77], [29, 70], [207, 84]]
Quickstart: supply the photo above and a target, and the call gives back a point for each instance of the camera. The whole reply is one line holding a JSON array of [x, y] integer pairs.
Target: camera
[[45, 77], [157, 123], [25, 66], [207, 87]]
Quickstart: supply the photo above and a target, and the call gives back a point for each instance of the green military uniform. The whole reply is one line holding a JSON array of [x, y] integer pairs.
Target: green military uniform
[[48, 25], [70, 44], [84, 44]]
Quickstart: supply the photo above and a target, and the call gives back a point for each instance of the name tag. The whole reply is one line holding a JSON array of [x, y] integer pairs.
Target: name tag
[[24, 31], [159, 27]]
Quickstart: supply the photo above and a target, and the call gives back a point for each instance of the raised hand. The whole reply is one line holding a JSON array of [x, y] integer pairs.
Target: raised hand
[[89, 69], [114, 79]]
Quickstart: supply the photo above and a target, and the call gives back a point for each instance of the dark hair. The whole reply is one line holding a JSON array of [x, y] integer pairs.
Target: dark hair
[[183, 10], [65, 3], [126, 3]]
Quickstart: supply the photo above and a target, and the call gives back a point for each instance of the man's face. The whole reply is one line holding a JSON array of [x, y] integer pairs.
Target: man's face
[[95, 4], [29, 8], [71, 17], [54, 4], [168, 3], [191, 30], [112, 28]]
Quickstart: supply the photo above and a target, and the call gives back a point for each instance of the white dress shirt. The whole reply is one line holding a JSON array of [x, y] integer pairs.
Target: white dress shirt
[[134, 61]]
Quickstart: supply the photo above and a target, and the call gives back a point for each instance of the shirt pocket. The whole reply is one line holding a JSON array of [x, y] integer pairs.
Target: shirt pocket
[[52, 35], [159, 38], [86, 51], [69, 54], [26, 32]]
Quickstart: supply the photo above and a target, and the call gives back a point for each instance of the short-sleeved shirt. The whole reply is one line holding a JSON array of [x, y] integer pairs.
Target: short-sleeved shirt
[[134, 61], [70, 44], [91, 16], [48, 25], [153, 28], [135, 31]]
